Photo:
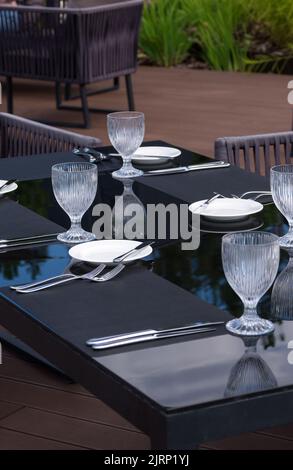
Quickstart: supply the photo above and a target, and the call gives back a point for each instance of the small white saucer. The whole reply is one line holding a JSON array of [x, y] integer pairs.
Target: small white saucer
[[227, 209], [8, 189], [105, 251], [153, 155]]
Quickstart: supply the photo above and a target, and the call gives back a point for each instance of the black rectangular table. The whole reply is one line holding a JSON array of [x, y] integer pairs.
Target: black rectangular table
[[181, 392]]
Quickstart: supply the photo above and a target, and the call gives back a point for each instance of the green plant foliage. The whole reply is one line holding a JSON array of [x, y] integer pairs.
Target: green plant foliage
[[237, 35], [164, 38], [216, 22], [277, 17]]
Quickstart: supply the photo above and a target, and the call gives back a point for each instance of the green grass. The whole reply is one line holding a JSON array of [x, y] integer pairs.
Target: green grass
[[164, 38], [218, 32]]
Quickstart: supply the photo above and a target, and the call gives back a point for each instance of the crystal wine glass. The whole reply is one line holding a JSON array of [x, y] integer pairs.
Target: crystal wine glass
[[75, 188], [282, 193], [250, 262], [126, 133]]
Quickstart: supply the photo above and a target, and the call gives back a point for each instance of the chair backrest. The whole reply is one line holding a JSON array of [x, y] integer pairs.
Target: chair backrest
[[21, 137], [256, 153], [75, 45]]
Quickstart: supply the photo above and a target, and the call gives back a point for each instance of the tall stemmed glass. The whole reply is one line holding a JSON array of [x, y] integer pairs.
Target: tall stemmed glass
[[282, 193], [75, 188], [250, 262], [126, 133]]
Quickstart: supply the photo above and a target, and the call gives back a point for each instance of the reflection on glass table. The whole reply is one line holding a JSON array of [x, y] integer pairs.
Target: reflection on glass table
[[282, 294], [128, 211], [251, 373]]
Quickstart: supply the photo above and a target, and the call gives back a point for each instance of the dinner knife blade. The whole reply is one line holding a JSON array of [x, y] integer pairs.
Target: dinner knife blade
[[186, 169], [156, 337], [138, 334], [27, 243], [25, 239]]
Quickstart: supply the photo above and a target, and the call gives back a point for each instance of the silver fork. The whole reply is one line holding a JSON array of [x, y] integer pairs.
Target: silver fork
[[65, 275], [259, 194], [111, 274], [89, 276]]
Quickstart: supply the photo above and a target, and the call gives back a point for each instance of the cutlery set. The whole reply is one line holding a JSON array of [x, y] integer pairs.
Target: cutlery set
[[94, 156], [93, 276]]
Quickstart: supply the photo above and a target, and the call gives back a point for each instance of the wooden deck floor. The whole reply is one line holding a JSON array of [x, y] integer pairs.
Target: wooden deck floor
[[40, 410]]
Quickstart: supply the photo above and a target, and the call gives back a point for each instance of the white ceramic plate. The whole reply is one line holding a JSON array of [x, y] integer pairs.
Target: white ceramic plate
[[227, 209], [153, 155], [105, 251], [8, 189]]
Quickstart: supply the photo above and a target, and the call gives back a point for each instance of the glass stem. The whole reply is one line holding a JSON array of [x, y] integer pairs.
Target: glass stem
[[75, 224], [127, 163], [250, 312]]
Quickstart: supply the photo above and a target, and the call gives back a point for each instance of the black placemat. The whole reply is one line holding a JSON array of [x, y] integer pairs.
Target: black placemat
[[39, 166], [18, 221], [137, 299], [190, 187]]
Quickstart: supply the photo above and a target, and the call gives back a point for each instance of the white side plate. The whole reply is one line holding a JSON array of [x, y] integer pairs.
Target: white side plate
[[105, 251], [153, 155], [8, 189], [227, 209]]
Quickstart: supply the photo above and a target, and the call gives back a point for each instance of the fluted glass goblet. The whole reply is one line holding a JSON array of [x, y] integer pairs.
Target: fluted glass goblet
[[75, 188], [250, 262], [126, 133], [282, 193]]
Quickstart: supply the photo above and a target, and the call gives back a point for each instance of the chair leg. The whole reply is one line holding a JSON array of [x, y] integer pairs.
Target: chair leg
[[129, 89], [116, 83], [9, 91], [67, 91], [85, 107], [58, 95]]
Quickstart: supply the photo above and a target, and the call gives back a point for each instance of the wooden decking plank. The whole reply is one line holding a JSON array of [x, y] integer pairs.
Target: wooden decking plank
[[73, 431], [72, 405]]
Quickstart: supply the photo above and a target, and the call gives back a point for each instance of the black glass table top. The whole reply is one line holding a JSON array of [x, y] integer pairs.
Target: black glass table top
[[187, 372]]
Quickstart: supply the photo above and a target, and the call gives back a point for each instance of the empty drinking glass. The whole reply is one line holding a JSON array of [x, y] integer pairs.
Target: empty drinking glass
[[250, 262], [75, 188], [126, 133], [282, 193]]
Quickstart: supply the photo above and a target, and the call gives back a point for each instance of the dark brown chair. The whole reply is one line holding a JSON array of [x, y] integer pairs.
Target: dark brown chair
[[257, 153], [21, 137], [71, 46]]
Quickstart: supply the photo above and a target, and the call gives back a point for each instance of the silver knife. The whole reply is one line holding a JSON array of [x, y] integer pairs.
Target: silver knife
[[187, 169], [137, 249], [139, 334], [26, 239], [27, 243], [154, 337]]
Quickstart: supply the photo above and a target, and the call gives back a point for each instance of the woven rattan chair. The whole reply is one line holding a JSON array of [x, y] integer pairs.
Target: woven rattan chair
[[71, 46], [256, 153], [21, 137]]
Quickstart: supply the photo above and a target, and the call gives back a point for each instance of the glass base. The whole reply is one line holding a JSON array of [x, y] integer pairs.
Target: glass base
[[127, 172], [250, 326], [76, 236]]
